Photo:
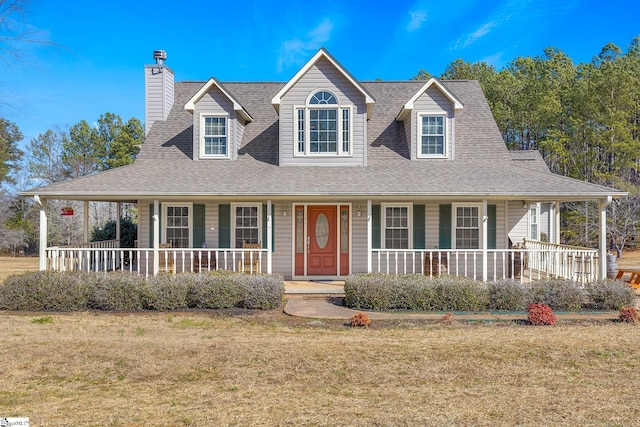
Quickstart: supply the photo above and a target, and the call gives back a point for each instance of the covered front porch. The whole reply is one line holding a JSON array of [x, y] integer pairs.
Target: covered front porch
[[526, 261]]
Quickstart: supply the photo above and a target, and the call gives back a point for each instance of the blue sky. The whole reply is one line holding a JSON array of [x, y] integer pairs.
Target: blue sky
[[103, 46]]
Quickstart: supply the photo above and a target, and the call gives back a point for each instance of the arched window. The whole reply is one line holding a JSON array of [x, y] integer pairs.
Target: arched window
[[323, 126]]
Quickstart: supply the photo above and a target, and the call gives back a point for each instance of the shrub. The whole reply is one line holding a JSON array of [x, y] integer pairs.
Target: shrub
[[166, 292], [214, 290], [46, 290], [447, 319], [368, 291], [118, 291], [506, 295], [557, 294], [609, 294], [360, 320], [628, 315], [540, 314], [460, 294], [263, 292]]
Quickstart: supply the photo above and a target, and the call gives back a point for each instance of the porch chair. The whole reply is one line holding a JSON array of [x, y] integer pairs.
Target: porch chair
[[251, 262], [166, 261]]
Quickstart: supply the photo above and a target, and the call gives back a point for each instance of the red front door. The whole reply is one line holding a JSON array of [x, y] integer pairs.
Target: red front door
[[322, 255]]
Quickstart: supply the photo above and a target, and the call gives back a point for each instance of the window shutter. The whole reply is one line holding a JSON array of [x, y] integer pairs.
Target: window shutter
[[445, 227], [273, 227], [224, 226], [376, 219], [491, 227], [198, 225], [151, 223], [418, 227]]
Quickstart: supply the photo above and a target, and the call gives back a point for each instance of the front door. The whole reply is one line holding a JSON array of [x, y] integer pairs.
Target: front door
[[322, 255]]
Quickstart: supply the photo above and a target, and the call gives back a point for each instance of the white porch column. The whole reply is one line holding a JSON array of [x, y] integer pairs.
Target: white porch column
[[42, 250], [603, 237], [86, 222], [369, 237], [556, 237], [156, 236], [118, 209], [485, 231], [269, 237]]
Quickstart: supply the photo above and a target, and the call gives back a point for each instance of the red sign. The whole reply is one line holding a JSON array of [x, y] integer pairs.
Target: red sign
[[67, 211]]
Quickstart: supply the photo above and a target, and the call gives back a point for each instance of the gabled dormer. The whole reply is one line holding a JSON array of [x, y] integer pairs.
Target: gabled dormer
[[218, 122], [429, 121], [323, 114]]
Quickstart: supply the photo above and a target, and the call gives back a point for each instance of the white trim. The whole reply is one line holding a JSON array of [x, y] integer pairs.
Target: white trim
[[201, 119], [454, 216], [383, 217], [322, 53], [233, 221], [164, 219], [532, 207], [409, 106], [445, 141], [190, 105]]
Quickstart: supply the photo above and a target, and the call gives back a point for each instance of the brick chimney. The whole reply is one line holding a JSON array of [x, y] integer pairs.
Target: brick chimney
[[158, 90]]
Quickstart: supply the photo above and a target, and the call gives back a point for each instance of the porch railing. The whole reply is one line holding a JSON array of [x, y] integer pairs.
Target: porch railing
[[170, 260], [534, 262]]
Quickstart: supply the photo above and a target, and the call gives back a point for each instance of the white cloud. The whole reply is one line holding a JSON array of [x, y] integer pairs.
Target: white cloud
[[296, 51], [475, 36], [417, 18]]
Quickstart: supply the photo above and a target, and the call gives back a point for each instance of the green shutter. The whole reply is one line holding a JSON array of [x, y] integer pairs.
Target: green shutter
[[376, 219], [198, 225], [418, 227], [445, 227], [491, 227], [224, 226], [264, 227], [151, 223]]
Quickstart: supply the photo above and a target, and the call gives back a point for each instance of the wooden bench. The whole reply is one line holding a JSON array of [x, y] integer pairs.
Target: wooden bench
[[634, 276]]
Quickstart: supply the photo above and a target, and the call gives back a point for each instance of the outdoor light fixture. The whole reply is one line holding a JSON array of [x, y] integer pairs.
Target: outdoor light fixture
[[525, 205], [359, 211], [284, 211]]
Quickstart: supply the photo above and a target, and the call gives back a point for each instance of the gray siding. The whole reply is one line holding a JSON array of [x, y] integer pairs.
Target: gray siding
[[215, 102], [158, 94], [359, 240], [283, 240], [431, 101], [518, 222], [323, 75]]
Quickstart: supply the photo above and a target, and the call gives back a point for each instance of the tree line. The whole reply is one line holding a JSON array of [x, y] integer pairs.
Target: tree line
[[584, 119]]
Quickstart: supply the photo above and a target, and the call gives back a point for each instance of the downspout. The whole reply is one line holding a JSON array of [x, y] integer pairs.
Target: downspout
[[269, 237], [603, 236], [42, 250], [156, 237], [485, 231], [369, 237]]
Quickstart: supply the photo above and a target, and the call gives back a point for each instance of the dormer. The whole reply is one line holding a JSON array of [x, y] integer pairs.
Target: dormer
[[218, 122], [323, 114], [429, 121]]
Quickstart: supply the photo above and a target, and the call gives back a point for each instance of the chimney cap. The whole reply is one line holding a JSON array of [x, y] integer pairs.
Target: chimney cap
[[159, 56]]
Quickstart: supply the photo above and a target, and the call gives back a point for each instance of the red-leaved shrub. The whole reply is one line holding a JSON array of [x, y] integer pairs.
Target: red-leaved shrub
[[540, 314], [360, 319], [447, 319], [629, 315]]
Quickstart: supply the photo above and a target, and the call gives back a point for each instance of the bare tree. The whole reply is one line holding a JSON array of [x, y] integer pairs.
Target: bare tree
[[16, 33]]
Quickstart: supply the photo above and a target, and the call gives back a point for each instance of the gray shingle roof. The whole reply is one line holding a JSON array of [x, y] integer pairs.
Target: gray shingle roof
[[483, 167]]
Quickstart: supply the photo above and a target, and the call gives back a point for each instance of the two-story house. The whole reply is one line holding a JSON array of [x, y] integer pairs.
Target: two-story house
[[325, 175]]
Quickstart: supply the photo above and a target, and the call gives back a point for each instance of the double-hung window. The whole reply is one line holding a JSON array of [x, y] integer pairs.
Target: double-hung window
[[397, 224], [467, 227], [214, 139], [323, 126], [247, 224], [533, 222], [432, 135], [177, 230]]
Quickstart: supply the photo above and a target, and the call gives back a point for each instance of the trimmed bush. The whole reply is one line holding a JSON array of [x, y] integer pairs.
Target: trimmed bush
[[167, 292], [369, 291], [360, 320], [610, 295], [460, 294], [263, 292], [507, 295], [46, 290], [540, 315], [557, 294], [118, 291]]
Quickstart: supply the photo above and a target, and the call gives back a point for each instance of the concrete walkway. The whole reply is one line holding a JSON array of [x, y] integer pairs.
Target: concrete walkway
[[332, 308]]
